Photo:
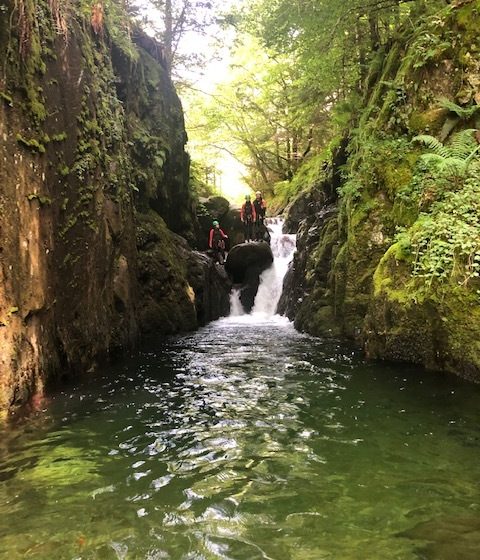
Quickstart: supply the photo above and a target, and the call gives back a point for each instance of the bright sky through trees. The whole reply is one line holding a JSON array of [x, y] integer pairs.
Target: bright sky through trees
[[199, 82]]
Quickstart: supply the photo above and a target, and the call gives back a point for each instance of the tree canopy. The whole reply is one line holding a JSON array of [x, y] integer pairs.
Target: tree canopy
[[299, 70]]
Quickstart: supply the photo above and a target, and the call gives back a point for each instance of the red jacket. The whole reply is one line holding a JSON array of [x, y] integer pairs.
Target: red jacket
[[223, 235], [242, 213]]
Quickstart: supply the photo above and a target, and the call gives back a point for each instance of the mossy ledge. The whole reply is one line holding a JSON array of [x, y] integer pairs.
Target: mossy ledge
[[396, 266]]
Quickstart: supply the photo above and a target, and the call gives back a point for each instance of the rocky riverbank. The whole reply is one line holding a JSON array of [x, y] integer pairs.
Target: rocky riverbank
[[388, 243], [95, 206]]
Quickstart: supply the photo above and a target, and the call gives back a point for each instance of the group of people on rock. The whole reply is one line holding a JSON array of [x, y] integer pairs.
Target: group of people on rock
[[252, 216]]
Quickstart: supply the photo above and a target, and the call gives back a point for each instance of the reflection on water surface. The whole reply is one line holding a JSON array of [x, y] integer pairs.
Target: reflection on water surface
[[246, 440]]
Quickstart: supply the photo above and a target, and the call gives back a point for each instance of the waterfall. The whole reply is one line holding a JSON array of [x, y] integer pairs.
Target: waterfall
[[236, 308], [271, 281]]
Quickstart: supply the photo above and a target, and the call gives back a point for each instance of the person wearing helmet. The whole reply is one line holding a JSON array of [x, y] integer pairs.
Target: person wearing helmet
[[260, 210], [216, 242], [248, 217]]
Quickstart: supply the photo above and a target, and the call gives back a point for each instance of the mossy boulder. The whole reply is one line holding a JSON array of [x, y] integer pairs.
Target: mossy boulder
[[167, 301]]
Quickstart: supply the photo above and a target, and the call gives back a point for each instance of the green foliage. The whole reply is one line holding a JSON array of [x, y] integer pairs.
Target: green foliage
[[377, 162], [454, 159], [42, 200], [201, 182], [63, 170], [7, 98], [464, 113], [61, 137], [118, 24], [428, 47], [32, 144], [446, 241]]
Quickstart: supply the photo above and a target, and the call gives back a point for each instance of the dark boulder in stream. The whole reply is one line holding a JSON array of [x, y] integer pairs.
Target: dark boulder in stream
[[245, 264]]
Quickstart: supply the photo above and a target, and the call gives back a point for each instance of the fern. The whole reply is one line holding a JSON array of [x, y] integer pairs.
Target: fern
[[433, 144], [446, 165], [464, 113], [456, 158], [463, 144]]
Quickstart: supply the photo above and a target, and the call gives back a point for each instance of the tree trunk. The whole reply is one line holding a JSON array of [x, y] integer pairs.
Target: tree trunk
[[168, 35], [374, 33], [362, 55]]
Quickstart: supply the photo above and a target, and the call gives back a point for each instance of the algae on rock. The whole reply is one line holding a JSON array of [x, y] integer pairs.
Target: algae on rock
[[399, 269], [92, 143]]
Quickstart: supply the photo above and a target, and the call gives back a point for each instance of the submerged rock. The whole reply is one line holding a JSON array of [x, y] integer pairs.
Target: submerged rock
[[447, 538]]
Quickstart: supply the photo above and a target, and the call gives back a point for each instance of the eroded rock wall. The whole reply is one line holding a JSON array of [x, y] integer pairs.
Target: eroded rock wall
[[92, 145], [358, 271]]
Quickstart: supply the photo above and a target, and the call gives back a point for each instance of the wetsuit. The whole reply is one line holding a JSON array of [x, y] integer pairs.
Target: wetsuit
[[216, 242], [260, 210], [248, 216]]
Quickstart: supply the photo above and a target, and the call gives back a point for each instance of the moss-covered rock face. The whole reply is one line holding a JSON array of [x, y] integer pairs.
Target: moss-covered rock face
[[398, 268], [167, 302], [90, 129]]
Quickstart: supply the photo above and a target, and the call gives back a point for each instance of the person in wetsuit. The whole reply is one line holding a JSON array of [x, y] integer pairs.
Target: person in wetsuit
[[216, 242], [248, 217], [260, 210]]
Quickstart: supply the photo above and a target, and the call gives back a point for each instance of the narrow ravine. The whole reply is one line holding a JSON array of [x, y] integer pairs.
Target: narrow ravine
[[246, 440]]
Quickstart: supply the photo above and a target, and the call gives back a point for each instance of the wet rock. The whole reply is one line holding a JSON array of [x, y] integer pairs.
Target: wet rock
[[245, 263], [306, 297], [211, 285], [166, 299], [218, 208]]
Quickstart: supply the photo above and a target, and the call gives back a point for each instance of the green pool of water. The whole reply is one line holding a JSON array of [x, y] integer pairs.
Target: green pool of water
[[246, 441]]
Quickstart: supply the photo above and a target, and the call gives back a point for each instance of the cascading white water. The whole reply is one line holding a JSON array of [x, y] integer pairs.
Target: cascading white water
[[271, 281], [236, 307]]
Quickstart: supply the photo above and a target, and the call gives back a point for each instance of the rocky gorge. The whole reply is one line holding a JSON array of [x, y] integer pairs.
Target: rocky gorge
[[387, 254], [97, 219], [103, 237]]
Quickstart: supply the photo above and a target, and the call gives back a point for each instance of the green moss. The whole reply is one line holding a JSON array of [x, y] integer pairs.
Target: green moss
[[43, 200], [461, 312], [61, 137], [38, 110], [392, 278], [32, 144], [430, 120], [7, 98], [63, 170]]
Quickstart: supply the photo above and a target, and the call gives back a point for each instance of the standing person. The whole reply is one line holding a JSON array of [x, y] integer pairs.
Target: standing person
[[216, 242], [248, 217], [260, 211]]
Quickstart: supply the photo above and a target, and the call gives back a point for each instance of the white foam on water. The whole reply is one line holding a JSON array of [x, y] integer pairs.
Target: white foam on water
[[271, 280], [236, 308]]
